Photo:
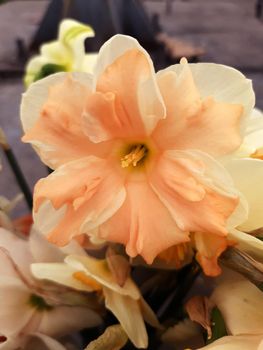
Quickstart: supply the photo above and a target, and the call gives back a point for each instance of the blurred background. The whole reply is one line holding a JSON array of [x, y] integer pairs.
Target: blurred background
[[223, 31]]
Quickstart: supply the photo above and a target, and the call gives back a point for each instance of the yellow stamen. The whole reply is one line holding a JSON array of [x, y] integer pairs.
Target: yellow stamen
[[90, 282], [137, 154]]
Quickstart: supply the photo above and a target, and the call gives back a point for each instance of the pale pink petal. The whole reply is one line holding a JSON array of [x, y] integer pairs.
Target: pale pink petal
[[196, 189], [19, 252], [14, 305], [51, 113], [87, 202], [127, 101], [42, 250], [42, 342], [64, 320], [195, 122], [143, 224], [244, 342], [128, 313]]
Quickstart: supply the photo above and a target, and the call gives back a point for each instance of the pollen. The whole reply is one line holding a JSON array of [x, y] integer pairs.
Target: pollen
[[137, 153]]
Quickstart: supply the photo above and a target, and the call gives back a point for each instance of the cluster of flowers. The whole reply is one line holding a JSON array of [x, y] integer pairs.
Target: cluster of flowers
[[157, 170]]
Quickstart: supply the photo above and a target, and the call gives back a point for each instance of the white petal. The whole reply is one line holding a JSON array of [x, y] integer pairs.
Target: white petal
[[59, 273], [247, 243], [128, 313], [223, 83], [34, 98], [99, 271], [244, 342], [89, 62], [241, 304], [247, 175], [255, 122]]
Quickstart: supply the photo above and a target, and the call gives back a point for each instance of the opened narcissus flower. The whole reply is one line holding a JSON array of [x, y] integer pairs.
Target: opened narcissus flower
[[65, 54], [85, 273], [138, 155]]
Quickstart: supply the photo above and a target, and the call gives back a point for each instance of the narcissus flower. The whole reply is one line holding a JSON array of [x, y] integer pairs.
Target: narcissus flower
[[63, 55], [88, 274], [24, 302], [134, 152]]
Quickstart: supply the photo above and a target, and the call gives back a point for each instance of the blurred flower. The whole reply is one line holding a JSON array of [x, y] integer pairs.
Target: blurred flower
[[33, 341], [133, 152], [65, 54], [90, 274], [28, 307]]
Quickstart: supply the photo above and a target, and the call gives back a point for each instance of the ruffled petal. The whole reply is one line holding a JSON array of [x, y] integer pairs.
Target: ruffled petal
[[128, 313], [247, 175], [126, 101], [136, 226], [196, 120], [83, 204], [51, 114], [196, 190]]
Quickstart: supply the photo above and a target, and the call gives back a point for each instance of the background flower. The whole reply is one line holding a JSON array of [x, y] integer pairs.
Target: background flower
[[66, 54]]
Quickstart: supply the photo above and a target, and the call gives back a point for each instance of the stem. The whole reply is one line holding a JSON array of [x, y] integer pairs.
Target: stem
[[16, 170]]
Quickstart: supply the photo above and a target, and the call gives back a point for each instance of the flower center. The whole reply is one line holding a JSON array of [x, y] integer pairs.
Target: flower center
[[135, 156], [39, 303]]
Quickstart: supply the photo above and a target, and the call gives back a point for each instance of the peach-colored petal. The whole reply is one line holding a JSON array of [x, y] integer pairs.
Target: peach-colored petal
[[90, 191], [127, 102], [209, 248], [143, 223], [195, 123], [57, 133], [189, 185]]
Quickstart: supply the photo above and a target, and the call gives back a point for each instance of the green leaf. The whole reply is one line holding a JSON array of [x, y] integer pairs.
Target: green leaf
[[49, 69], [217, 325]]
